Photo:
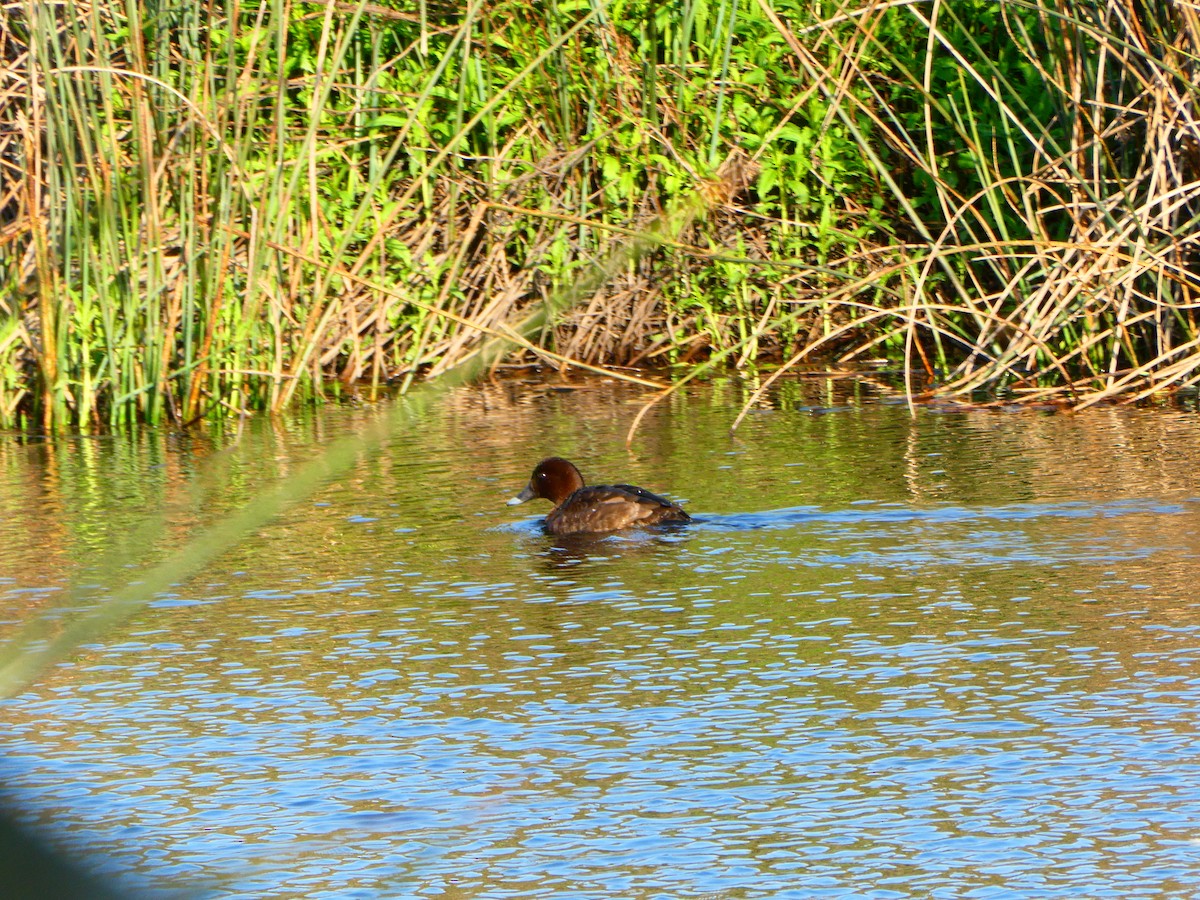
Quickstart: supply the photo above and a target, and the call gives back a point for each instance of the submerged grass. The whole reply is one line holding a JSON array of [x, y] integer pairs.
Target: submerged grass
[[219, 208]]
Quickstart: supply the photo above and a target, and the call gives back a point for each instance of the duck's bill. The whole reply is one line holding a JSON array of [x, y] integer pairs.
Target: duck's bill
[[526, 494]]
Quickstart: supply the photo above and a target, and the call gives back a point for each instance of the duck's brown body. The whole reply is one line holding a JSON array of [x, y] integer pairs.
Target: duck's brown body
[[579, 509]]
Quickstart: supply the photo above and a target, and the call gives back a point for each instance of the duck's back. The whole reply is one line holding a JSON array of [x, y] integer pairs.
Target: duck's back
[[612, 507]]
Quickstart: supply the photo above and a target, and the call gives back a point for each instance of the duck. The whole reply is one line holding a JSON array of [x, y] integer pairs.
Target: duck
[[579, 509]]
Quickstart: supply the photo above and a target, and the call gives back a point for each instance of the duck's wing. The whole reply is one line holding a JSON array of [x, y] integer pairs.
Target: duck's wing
[[657, 508], [642, 495]]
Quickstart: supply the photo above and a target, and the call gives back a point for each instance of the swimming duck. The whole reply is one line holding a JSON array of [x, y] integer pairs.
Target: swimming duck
[[608, 507]]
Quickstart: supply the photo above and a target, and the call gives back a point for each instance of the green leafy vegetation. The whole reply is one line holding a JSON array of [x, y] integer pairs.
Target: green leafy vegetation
[[216, 209]]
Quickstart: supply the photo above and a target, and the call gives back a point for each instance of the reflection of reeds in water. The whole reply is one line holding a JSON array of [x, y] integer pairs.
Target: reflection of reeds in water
[[218, 218]]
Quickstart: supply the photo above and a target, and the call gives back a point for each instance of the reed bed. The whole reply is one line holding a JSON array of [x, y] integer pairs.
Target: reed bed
[[221, 208]]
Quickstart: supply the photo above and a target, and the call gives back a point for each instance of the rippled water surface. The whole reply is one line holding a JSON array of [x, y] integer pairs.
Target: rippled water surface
[[950, 655]]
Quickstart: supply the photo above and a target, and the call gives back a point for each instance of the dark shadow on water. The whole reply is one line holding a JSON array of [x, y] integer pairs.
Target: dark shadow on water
[[570, 550], [32, 868], [565, 551]]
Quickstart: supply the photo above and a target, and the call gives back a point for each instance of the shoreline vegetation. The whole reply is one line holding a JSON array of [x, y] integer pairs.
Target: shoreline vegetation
[[213, 209]]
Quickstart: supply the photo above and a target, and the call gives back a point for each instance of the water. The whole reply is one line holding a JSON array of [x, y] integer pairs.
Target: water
[[952, 655]]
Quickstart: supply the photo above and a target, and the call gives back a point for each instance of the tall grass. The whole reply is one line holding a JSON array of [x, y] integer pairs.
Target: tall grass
[[1050, 192], [219, 208]]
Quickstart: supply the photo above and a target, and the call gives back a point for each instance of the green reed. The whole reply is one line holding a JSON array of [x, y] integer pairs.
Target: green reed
[[228, 208]]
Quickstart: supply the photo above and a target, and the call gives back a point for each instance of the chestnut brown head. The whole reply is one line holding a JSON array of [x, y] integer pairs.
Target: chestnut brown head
[[554, 479]]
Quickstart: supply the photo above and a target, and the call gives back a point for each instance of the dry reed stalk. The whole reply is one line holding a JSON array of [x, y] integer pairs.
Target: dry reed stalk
[[1078, 266], [1085, 309]]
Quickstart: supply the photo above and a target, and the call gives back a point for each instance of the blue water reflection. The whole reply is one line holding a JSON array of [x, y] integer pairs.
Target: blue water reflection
[[948, 698]]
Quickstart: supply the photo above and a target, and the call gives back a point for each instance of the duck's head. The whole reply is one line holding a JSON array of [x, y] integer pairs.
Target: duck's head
[[554, 479]]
